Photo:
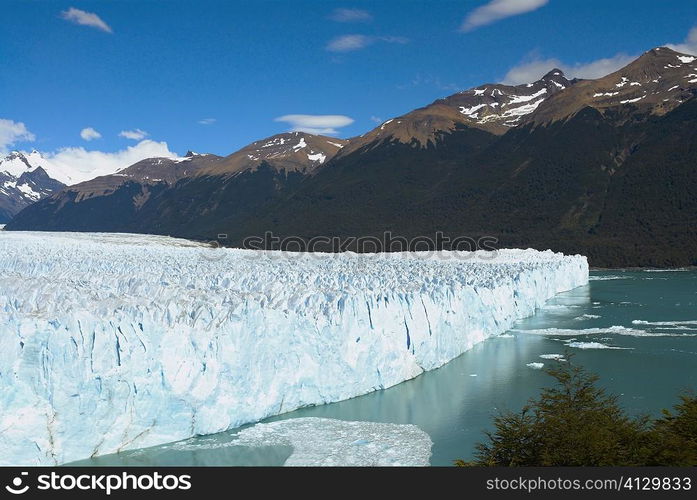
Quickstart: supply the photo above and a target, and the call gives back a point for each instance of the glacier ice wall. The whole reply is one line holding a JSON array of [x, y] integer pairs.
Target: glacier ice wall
[[114, 342]]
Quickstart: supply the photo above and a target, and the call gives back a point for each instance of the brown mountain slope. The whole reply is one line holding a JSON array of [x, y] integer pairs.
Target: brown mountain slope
[[494, 108], [655, 83], [291, 151], [146, 172]]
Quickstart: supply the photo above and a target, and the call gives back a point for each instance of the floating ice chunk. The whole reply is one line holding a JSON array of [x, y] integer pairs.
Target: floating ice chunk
[[535, 366], [676, 270], [665, 323], [593, 345], [552, 356], [329, 442], [618, 330], [584, 317]]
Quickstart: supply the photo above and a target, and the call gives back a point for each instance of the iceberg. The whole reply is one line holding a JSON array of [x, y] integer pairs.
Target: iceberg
[[329, 442], [111, 342]]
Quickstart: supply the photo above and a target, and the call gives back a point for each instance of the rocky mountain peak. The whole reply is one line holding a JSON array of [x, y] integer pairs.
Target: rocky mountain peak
[[554, 74], [290, 151], [655, 83]]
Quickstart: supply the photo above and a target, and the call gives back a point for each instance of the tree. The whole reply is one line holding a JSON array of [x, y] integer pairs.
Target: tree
[[674, 436], [577, 423]]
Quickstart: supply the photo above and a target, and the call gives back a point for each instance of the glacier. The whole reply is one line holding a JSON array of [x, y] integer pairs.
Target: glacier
[[111, 342]]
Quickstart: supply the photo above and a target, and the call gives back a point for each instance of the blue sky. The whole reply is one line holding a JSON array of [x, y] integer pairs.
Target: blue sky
[[215, 75]]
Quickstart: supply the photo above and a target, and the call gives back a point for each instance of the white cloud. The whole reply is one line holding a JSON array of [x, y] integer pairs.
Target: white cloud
[[83, 18], [135, 135], [532, 70], [689, 45], [76, 164], [351, 16], [89, 134], [207, 121], [376, 119], [316, 124], [496, 10], [12, 132], [348, 43], [428, 81]]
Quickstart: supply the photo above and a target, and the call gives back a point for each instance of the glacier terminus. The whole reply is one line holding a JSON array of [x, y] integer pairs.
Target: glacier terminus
[[111, 342]]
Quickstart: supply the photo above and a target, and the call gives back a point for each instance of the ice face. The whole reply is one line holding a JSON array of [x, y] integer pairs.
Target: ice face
[[115, 342]]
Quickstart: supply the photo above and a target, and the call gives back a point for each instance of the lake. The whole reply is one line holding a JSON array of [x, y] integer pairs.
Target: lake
[[636, 329]]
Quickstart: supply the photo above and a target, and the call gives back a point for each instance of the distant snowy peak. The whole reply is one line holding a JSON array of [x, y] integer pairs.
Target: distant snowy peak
[[23, 181], [16, 163], [291, 151]]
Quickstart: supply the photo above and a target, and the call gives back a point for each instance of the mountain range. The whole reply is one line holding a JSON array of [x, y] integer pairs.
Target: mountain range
[[603, 167], [23, 181]]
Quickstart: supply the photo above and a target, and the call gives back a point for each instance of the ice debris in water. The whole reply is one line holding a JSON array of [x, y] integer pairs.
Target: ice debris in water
[[329, 442]]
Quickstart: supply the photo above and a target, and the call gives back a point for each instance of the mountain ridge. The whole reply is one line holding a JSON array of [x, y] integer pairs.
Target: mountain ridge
[[23, 181], [564, 175]]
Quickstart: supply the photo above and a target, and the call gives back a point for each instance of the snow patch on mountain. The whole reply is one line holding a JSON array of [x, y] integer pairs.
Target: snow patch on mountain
[[300, 145], [320, 157]]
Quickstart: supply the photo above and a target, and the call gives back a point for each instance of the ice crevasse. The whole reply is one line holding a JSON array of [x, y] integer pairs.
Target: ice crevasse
[[113, 342]]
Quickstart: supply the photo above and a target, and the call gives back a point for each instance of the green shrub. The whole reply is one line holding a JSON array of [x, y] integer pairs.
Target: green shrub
[[577, 423]]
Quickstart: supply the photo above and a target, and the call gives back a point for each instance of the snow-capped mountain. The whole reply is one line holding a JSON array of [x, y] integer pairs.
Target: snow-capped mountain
[[604, 167], [190, 187], [291, 152], [654, 84], [495, 108], [23, 181]]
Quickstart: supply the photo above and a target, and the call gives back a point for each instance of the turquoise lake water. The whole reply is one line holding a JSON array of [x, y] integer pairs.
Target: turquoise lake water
[[636, 329]]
